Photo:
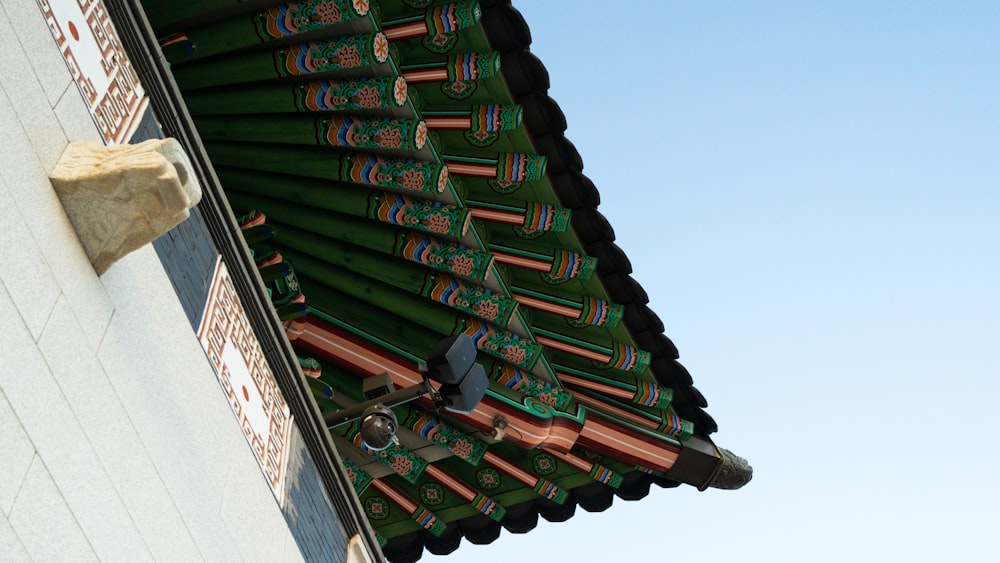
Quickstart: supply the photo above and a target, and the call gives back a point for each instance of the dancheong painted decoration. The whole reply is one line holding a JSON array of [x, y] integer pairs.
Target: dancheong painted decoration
[[403, 177]]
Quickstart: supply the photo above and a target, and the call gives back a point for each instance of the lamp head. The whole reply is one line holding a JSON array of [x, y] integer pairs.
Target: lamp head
[[378, 427]]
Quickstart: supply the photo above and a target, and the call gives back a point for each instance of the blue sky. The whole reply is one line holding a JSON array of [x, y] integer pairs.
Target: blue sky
[[809, 193]]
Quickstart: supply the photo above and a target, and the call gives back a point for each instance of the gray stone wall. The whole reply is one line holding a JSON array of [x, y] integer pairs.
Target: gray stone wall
[[308, 510], [188, 256]]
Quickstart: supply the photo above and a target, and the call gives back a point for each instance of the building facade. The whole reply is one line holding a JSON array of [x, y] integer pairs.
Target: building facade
[[377, 177]]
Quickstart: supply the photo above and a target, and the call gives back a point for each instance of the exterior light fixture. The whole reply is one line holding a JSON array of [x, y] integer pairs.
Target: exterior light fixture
[[452, 364], [378, 427]]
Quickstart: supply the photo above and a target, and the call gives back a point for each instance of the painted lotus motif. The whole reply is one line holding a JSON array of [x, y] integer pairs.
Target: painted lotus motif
[[390, 138], [349, 56], [402, 465], [462, 265], [412, 180], [420, 137], [369, 97], [381, 47], [515, 354], [329, 13], [487, 310], [461, 448], [439, 223], [399, 90]]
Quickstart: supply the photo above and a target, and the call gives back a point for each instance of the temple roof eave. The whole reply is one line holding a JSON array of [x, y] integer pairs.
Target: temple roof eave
[[633, 413]]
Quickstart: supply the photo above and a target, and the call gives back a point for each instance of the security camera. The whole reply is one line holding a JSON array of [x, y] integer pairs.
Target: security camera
[[462, 383], [377, 385], [378, 427]]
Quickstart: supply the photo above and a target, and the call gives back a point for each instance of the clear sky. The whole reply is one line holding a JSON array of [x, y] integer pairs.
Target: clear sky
[[810, 194]]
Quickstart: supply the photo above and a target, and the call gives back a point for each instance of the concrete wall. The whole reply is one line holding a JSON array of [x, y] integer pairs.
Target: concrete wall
[[118, 444]]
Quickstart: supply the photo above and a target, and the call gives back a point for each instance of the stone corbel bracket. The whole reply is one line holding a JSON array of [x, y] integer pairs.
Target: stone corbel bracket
[[121, 197]]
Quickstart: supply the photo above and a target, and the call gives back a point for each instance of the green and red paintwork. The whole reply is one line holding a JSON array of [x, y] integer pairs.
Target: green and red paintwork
[[344, 123]]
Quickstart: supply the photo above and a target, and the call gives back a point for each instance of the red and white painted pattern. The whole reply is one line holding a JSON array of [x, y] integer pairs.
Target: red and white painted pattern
[[246, 378], [108, 83]]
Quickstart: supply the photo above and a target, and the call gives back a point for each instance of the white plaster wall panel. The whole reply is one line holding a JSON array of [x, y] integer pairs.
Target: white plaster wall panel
[[177, 406], [59, 440], [156, 376], [32, 285], [114, 439], [74, 117], [18, 452], [168, 387], [22, 366], [17, 77], [42, 52], [40, 509], [10, 545], [57, 244]]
